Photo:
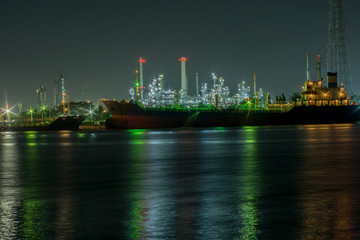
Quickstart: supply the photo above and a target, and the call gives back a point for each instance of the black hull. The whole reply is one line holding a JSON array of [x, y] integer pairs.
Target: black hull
[[61, 123], [132, 116]]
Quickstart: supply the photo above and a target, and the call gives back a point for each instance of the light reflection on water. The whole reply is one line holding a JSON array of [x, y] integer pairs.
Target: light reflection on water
[[9, 189], [286, 182]]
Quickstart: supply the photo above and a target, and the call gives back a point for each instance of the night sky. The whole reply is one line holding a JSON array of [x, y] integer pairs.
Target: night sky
[[97, 44]]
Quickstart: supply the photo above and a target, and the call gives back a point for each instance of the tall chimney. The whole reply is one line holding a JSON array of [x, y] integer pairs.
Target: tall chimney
[[184, 82], [197, 84], [254, 84], [141, 61]]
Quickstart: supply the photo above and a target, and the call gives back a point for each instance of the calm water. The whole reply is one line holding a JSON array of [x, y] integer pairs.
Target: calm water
[[292, 182]]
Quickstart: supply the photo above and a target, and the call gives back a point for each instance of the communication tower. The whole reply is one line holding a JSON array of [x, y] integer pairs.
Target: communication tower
[[338, 59]]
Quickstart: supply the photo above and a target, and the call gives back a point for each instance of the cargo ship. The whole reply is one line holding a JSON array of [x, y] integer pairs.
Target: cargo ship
[[317, 105], [129, 115]]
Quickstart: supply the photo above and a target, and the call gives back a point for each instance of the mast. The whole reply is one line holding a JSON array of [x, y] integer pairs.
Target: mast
[[137, 86], [63, 93], [319, 65], [307, 67]]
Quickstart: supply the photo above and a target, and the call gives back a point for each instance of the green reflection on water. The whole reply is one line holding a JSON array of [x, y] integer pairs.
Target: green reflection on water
[[30, 134], [80, 135], [137, 142], [250, 187], [136, 220], [34, 223], [34, 218], [137, 131], [250, 128], [220, 128], [137, 168]]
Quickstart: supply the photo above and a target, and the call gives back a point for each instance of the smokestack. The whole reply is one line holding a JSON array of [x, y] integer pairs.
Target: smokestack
[[332, 80], [254, 84], [184, 82], [141, 61], [197, 84]]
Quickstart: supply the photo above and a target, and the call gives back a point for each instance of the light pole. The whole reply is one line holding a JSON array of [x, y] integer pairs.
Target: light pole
[[43, 108], [31, 116], [8, 116]]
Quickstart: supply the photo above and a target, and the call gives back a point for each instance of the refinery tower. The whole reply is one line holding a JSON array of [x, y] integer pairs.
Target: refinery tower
[[338, 59]]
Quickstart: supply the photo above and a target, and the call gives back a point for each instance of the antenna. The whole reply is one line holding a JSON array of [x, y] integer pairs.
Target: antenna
[[319, 57]]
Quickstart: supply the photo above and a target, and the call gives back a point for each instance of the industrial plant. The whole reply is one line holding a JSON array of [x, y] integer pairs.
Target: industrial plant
[[213, 95]]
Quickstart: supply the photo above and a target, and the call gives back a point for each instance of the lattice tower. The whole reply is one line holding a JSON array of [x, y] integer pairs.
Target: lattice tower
[[338, 59]]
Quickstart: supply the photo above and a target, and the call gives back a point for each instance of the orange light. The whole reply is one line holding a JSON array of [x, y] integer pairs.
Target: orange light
[[183, 59]]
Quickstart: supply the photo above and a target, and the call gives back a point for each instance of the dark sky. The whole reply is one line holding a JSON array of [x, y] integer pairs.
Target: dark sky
[[97, 43]]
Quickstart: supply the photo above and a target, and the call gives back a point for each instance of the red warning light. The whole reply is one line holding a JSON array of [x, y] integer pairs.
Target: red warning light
[[142, 60], [183, 59], [319, 57]]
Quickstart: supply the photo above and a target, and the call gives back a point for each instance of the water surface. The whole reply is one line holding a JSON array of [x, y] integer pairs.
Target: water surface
[[284, 182]]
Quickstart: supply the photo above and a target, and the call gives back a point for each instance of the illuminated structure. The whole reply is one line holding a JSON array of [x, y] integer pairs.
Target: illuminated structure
[[338, 53], [64, 96], [243, 93], [315, 94], [184, 81], [41, 94], [141, 61], [215, 107], [216, 94], [57, 90]]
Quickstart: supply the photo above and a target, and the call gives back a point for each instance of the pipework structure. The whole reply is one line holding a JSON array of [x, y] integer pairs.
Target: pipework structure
[[184, 81], [141, 61], [338, 59]]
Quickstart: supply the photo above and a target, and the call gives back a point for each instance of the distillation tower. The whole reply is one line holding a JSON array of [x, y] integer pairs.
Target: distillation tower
[[338, 59]]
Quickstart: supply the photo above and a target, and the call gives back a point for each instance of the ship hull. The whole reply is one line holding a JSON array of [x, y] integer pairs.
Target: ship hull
[[132, 116], [61, 123]]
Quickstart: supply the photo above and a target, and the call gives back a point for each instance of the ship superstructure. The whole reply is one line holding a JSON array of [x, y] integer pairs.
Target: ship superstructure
[[315, 92]]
